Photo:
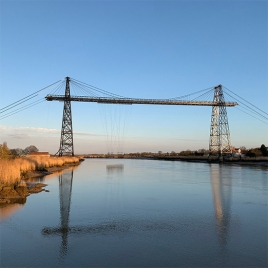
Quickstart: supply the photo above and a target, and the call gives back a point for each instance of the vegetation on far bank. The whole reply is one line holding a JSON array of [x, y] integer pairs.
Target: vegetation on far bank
[[13, 167], [254, 152], [6, 153], [16, 162]]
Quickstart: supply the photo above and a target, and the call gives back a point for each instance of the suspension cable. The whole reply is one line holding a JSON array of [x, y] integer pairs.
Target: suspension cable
[[207, 94], [252, 115], [27, 97], [210, 88], [250, 111], [83, 89], [22, 108], [246, 101], [249, 107], [17, 104], [98, 89]]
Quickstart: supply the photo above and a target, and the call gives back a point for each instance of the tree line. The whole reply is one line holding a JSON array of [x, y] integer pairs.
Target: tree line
[[255, 152], [6, 153]]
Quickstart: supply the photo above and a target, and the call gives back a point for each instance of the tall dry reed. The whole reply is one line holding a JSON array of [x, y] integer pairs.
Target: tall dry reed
[[11, 170]]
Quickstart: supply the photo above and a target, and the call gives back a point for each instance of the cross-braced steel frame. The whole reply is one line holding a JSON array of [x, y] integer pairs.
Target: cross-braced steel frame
[[220, 142], [66, 140]]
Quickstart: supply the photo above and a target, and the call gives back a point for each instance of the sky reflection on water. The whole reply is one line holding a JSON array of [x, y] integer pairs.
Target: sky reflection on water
[[150, 213]]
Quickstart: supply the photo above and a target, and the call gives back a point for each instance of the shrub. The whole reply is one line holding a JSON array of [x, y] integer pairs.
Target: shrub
[[264, 150], [4, 151], [254, 152]]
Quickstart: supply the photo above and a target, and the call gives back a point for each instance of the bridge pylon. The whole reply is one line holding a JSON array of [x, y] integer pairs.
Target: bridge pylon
[[66, 141], [220, 142]]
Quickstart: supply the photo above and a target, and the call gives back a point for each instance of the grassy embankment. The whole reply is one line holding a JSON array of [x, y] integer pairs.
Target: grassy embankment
[[12, 170]]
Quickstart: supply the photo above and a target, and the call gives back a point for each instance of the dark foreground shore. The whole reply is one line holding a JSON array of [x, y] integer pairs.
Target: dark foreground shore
[[17, 193]]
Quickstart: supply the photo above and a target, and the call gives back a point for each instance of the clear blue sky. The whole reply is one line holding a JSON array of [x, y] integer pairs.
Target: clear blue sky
[[146, 49]]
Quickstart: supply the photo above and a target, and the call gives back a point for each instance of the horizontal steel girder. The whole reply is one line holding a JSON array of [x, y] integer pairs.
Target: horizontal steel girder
[[137, 101]]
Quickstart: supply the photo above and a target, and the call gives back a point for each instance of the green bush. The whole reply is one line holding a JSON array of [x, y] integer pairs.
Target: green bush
[[264, 150]]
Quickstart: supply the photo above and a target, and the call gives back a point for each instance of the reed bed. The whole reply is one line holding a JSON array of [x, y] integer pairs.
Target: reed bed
[[11, 170]]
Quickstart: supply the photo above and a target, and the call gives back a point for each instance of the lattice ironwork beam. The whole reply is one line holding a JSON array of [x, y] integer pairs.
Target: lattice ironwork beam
[[137, 101]]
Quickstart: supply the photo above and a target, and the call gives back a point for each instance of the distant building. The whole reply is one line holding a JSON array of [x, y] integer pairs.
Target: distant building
[[39, 154], [236, 152]]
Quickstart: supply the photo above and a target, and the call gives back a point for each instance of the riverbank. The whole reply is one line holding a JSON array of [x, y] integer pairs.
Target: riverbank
[[263, 161], [260, 161], [18, 193], [14, 175]]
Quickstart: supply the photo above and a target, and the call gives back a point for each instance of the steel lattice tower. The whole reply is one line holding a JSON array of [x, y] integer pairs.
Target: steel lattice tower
[[66, 141], [219, 130]]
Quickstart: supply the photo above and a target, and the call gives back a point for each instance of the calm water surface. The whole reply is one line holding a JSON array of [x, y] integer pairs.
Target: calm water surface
[[141, 213]]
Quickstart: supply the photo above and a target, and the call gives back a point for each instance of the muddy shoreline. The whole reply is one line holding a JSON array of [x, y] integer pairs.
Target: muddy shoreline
[[18, 193]]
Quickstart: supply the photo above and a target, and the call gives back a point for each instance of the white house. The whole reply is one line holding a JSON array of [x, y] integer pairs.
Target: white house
[[236, 152]]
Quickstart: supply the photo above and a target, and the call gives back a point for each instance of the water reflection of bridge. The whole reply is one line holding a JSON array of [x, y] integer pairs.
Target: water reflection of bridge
[[64, 229], [221, 186], [65, 193]]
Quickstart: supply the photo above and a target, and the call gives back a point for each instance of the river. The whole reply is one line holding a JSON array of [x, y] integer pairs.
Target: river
[[141, 213]]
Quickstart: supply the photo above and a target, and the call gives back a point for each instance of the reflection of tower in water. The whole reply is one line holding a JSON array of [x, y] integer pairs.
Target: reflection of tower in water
[[64, 229], [65, 193], [221, 188]]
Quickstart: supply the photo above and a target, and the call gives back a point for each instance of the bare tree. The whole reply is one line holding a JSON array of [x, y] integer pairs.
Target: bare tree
[[30, 149]]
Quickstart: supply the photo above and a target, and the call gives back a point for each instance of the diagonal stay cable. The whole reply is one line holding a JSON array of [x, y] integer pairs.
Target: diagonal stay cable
[[246, 110], [89, 88], [60, 87], [206, 89], [22, 108], [74, 91], [207, 94], [252, 115], [87, 91], [246, 101], [82, 89], [104, 92], [16, 103], [98, 89], [247, 106], [252, 112]]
